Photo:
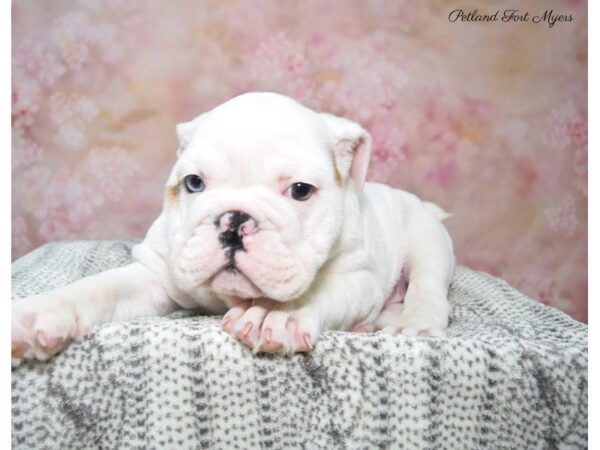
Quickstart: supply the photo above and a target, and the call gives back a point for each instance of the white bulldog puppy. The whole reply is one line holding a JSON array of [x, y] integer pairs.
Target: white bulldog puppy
[[268, 219]]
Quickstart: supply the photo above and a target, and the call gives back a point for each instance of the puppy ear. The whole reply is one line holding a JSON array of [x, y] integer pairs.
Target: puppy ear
[[351, 149], [185, 131]]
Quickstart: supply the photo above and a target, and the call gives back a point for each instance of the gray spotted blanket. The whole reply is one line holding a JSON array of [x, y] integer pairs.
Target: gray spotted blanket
[[511, 374]]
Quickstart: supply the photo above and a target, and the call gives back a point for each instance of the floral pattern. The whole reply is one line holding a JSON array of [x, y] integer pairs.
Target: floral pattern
[[487, 119]]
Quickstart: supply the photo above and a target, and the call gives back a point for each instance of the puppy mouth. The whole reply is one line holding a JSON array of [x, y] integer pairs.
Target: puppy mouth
[[229, 279], [230, 265], [231, 268]]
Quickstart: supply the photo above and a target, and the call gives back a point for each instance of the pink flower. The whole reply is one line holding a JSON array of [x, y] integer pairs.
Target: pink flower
[[35, 191], [24, 152], [70, 136], [109, 171], [108, 230], [39, 60], [389, 142], [71, 113], [540, 285], [73, 35], [20, 236], [25, 102], [565, 125], [442, 173], [56, 228], [580, 167], [72, 107], [364, 94], [283, 65], [562, 218]]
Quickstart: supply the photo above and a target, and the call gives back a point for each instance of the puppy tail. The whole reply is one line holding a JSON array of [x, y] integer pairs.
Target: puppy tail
[[437, 211]]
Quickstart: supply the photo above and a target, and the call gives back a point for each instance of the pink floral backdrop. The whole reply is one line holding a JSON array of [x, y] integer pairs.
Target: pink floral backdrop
[[487, 119]]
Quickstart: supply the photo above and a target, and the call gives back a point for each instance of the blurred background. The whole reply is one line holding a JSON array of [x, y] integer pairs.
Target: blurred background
[[489, 120]]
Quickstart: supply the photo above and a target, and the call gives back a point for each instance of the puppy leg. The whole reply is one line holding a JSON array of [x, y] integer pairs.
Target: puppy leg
[[43, 324], [430, 260]]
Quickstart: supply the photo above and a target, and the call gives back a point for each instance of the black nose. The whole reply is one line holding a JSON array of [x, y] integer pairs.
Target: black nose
[[231, 230]]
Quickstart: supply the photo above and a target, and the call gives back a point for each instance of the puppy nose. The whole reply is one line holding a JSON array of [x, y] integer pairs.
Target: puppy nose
[[233, 226]]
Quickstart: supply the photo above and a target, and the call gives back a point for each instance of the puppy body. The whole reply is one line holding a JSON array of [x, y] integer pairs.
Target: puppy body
[[247, 241]]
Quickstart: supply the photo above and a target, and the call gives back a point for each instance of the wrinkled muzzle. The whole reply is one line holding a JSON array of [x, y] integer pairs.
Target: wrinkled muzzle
[[243, 251]]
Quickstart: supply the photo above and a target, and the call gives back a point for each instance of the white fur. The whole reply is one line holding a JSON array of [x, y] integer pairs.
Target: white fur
[[329, 262]]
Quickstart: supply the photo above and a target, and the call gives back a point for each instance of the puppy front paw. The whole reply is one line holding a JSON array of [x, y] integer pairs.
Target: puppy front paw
[[42, 326], [271, 328]]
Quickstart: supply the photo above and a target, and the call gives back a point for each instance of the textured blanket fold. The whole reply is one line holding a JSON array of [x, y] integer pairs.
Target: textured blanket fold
[[511, 373]]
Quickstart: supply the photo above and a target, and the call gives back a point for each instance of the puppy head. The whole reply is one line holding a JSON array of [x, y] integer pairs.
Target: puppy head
[[255, 201]]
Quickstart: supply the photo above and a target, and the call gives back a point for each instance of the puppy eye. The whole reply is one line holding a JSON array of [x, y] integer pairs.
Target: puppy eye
[[193, 183], [300, 191]]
